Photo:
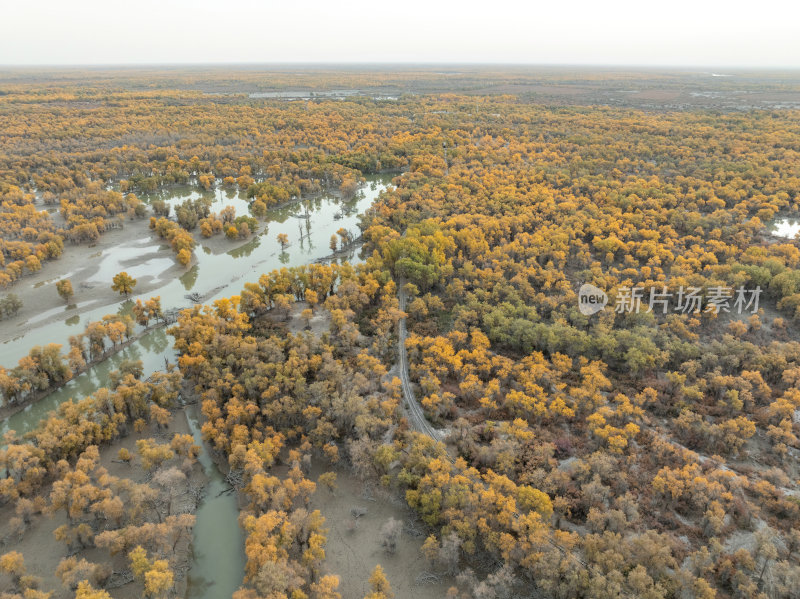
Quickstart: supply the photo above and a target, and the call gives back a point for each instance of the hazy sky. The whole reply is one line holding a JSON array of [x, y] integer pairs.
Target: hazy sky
[[628, 32]]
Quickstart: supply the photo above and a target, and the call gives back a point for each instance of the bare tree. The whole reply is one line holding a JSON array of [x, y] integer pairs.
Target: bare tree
[[357, 511], [449, 553], [390, 534], [172, 481]]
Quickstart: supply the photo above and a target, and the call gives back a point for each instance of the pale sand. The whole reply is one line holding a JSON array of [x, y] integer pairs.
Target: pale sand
[[82, 265]]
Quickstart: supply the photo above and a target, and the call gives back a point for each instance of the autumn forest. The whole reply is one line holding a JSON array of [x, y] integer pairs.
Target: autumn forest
[[475, 334]]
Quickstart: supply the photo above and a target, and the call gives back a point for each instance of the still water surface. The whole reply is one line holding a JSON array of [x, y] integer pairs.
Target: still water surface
[[217, 569]]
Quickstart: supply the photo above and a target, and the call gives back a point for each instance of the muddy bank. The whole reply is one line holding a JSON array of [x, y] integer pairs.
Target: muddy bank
[[134, 249], [86, 267]]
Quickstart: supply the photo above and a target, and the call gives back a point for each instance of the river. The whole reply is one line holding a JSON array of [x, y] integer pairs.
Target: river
[[214, 274], [218, 566]]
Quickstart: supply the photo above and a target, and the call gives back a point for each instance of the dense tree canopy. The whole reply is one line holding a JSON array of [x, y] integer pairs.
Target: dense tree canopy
[[646, 450]]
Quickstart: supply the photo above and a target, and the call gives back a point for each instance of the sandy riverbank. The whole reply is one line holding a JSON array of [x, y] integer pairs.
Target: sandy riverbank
[[85, 267], [134, 249]]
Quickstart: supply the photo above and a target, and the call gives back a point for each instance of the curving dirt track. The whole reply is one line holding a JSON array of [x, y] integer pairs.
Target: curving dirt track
[[415, 412]]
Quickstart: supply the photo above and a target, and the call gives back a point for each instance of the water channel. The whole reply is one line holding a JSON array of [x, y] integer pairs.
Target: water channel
[[218, 564]]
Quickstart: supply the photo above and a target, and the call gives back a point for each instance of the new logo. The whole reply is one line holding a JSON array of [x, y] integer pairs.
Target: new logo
[[591, 299]]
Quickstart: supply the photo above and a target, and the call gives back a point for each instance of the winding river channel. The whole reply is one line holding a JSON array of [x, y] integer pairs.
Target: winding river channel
[[218, 563]]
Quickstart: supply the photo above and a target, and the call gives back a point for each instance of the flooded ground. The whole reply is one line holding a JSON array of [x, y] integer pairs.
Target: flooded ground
[[152, 348], [218, 565], [220, 268]]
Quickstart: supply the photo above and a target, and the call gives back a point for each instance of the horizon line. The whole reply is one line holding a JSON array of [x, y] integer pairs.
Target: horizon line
[[395, 64]]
